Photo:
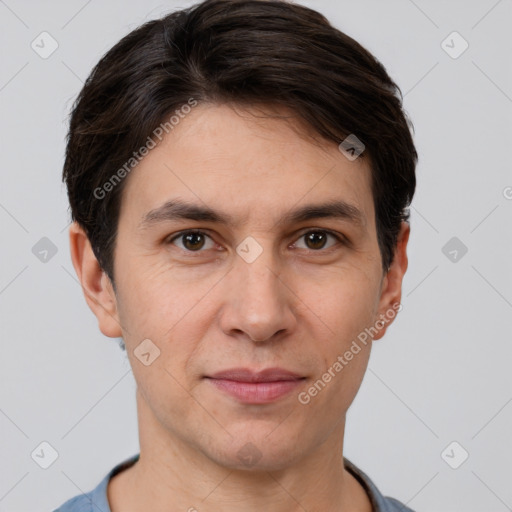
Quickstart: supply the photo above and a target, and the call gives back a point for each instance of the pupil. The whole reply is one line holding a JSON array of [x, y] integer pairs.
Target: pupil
[[317, 240], [193, 241]]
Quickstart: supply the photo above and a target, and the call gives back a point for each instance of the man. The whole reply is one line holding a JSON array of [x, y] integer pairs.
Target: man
[[239, 175]]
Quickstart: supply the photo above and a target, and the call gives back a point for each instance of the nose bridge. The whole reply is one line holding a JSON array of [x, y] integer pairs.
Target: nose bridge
[[256, 270], [256, 299]]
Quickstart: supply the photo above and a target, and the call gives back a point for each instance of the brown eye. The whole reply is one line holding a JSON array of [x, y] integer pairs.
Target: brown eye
[[316, 240], [192, 241]]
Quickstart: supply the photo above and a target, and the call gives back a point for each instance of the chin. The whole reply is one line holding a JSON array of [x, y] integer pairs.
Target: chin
[[256, 454]]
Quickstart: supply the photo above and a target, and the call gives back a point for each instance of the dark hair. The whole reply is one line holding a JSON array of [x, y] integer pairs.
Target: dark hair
[[245, 52]]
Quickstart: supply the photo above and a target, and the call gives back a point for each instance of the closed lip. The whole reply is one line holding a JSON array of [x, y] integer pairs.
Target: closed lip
[[248, 375]]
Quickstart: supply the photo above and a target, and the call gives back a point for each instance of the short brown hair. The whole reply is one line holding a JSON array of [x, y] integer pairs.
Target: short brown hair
[[248, 52]]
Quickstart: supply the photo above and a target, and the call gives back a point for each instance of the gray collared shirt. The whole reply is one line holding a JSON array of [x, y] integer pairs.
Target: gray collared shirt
[[97, 501]]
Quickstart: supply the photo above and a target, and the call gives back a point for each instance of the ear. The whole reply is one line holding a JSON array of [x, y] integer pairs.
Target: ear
[[96, 285], [391, 289]]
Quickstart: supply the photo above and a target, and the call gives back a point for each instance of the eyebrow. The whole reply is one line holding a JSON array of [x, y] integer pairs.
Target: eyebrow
[[178, 209]]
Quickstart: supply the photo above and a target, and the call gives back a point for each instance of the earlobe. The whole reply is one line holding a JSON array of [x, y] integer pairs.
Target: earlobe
[[391, 293], [96, 285]]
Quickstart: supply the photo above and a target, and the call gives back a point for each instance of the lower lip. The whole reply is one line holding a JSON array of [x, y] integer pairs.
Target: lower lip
[[256, 392]]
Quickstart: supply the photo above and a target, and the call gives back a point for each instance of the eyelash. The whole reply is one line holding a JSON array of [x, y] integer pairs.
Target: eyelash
[[339, 238]]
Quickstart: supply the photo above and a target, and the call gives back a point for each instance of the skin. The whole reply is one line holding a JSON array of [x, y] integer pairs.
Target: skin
[[298, 306]]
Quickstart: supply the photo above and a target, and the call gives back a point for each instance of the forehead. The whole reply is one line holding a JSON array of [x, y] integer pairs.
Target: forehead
[[246, 164]]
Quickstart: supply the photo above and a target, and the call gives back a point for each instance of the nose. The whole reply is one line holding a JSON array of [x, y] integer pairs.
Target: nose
[[257, 301]]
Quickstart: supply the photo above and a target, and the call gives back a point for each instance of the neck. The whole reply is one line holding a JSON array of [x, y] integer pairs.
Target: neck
[[172, 475]]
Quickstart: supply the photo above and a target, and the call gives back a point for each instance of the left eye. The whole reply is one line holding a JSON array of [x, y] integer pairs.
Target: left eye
[[193, 241], [316, 240]]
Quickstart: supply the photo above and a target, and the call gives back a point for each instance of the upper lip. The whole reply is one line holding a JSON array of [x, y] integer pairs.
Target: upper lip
[[247, 375]]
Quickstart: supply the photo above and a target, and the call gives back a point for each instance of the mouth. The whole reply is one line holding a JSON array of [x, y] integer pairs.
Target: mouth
[[252, 387]]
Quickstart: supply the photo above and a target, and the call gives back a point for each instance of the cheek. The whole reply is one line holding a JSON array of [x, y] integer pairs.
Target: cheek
[[166, 396], [156, 298], [345, 301], [346, 306], [175, 314], [343, 355]]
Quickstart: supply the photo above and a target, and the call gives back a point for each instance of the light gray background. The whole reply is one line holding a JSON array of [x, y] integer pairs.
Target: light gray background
[[441, 374]]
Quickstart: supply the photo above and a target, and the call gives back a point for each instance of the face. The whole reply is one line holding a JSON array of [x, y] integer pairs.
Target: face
[[223, 264]]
